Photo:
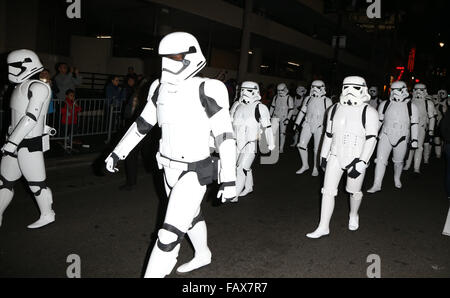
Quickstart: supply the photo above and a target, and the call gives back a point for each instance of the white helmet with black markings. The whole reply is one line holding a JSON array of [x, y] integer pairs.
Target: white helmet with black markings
[[250, 92], [399, 91], [318, 89], [182, 57], [354, 91], [22, 65], [420, 91]]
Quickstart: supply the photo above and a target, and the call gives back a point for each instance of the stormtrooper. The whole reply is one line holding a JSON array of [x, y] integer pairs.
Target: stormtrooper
[[441, 108], [250, 118], [282, 108], [374, 100], [28, 136], [426, 124], [399, 118], [350, 140], [187, 109], [298, 103], [313, 111]]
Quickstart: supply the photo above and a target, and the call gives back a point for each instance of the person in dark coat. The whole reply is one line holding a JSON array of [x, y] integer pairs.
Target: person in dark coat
[[133, 108]]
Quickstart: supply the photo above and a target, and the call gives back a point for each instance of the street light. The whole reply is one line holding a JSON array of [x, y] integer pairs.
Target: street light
[[441, 44]]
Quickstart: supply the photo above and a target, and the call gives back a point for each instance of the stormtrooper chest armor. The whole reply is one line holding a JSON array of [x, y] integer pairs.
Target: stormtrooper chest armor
[[348, 133], [316, 112], [396, 121], [245, 124], [184, 123], [282, 107], [19, 103], [422, 110]]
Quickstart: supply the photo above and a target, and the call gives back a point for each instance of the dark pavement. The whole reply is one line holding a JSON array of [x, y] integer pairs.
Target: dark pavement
[[263, 236]]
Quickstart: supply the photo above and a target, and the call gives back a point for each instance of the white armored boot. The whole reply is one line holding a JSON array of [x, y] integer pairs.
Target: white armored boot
[[304, 158], [398, 169], [5, 199], [198, 237], [380, 170], [438, 151], [315, 172], [426, 153], [409, 160], [248, 183], [446, 231], [418, 160], [325, 217], [240, 183], [355, 203], [44, 201], [161, 263]]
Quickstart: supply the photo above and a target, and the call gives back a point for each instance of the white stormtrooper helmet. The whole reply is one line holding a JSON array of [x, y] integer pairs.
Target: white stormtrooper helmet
[[22, 65], [354, 91], [399, 91], [373, 91], [301, 91], [420, 91], [282, 90], [250, 92], [182, 57], [442, 95], [318, 89]]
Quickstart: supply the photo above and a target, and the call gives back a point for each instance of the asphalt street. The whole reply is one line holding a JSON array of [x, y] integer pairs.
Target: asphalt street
[[262, 236]]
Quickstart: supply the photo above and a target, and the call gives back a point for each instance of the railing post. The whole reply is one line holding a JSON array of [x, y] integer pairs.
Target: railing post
[[66, 141], [111, 109]]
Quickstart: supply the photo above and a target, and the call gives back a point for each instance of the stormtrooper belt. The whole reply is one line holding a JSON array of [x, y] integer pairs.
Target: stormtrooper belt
[[33, 144], [207, 170], [184, 166]]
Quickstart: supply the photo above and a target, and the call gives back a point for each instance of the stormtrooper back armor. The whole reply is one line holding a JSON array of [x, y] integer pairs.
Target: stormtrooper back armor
[[282, 108], [27, 136], [188, 110], [426, 123], [313, 112], [250, 119], [398, 117], [350, 140]]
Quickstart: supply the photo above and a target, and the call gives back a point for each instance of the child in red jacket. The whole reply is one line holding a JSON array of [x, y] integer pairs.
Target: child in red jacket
[[69, 113]]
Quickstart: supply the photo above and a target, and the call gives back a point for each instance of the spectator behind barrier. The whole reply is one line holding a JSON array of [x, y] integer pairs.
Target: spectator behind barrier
[[65, 80]]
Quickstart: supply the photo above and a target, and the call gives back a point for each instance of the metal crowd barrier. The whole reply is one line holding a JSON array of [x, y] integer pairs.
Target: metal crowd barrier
[[93, 117]]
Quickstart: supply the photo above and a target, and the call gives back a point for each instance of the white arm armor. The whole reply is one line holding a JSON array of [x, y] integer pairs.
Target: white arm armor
[[140, 128], [38, 94], [267, 125], [303, 112], [291, 107], [328, 138], [414, 123], [432, 115], [372, 126], [222, 130]]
